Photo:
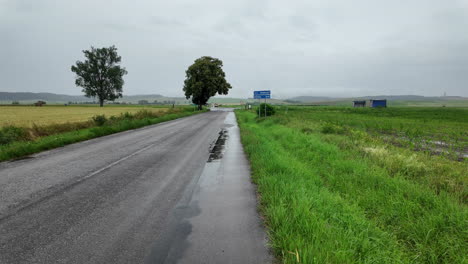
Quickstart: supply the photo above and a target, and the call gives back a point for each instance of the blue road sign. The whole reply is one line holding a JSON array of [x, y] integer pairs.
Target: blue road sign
[[262, 94]]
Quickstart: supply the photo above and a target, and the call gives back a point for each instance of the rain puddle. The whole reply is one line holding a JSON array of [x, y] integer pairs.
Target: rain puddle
[[216, 152], [436, 147]]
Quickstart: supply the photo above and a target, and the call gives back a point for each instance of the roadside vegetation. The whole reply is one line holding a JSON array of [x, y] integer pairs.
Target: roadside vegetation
[[205, 78], [100, 74], [19, 141], [343, 185], [28, 116]]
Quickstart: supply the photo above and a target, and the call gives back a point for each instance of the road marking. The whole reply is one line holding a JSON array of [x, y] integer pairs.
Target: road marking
[[114, 163], [63, 188]]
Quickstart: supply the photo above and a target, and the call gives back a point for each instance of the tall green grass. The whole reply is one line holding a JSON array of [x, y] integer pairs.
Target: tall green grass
[[327, 201], [401, 140]]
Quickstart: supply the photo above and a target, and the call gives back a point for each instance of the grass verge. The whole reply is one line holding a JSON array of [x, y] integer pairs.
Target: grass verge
[[326, 202], [18, 149]]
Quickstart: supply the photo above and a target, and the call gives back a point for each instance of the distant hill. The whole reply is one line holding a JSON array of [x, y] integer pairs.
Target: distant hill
[[7, 97], [393, 100], [313, 99], [414, 97], [51, 98], [230, 100], [409, 100]]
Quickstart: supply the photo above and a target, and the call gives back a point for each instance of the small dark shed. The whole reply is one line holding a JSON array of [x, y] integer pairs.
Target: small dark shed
[[378, 103], [39, 103], [359, 103]]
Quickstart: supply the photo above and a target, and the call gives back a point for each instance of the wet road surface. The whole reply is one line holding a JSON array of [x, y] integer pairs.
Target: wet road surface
[[142, 196]]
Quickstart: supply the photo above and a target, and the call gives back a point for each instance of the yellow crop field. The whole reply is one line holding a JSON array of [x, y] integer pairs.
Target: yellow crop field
[[26, 116]]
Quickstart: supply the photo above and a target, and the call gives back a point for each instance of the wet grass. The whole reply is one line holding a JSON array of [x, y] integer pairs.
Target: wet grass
[[333, 191], [441, 131], [23, 141]]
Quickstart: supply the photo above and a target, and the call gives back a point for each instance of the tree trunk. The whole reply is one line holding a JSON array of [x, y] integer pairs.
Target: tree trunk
[[200, 107], [101, 102]]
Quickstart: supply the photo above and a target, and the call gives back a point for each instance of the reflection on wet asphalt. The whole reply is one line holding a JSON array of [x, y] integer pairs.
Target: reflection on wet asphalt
[[217, 150], [105, 200], [144, 195], [221, 223]]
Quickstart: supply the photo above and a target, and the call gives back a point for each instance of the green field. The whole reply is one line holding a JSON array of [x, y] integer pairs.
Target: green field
[[344, 185], [400, 103], [26, 116]]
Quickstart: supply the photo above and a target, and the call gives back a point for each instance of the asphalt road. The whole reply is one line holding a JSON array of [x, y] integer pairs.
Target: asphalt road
[[141, 196]]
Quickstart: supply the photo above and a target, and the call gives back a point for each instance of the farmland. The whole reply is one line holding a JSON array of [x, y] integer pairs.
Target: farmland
[[26, 116], [26, 130], [343, 185]]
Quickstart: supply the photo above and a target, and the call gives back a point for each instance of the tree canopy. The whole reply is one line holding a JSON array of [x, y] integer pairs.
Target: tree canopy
[[204, 78], [100, 75]]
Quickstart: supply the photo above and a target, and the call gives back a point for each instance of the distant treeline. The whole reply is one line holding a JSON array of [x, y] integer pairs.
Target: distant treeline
[[62, 98], [140, 102], [6, 96], [156, 102]]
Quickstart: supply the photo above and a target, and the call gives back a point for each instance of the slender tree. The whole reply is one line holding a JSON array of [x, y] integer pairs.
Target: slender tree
[[100, 75], [204, 78]]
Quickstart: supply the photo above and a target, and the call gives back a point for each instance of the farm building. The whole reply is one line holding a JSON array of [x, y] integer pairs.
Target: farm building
[[359, 103], [378, 103], [39, 103]]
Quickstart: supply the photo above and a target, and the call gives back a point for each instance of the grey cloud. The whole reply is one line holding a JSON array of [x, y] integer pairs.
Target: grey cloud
[[168, 22], [302, 47]]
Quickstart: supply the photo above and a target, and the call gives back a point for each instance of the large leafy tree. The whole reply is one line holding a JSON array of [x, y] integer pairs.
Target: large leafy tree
[[204, 78], [100, 75]]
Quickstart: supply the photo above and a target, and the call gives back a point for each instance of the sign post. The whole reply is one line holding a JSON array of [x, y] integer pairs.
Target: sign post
[[265, 94]]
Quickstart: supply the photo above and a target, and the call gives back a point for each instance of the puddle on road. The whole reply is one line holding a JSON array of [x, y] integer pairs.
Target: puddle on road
[[217, 151]]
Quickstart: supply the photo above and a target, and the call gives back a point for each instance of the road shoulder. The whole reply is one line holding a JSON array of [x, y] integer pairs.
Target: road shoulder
[[220, 222]]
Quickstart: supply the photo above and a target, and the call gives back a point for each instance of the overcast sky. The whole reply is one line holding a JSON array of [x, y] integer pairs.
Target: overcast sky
[[310, 47]]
